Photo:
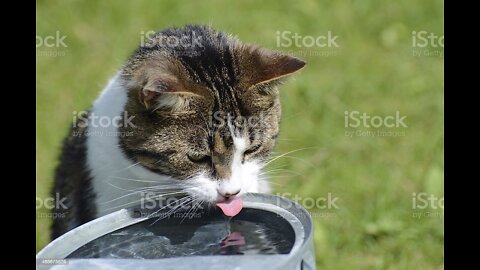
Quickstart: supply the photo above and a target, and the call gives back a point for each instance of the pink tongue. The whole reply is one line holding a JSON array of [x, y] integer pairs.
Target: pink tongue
[[231, 207]]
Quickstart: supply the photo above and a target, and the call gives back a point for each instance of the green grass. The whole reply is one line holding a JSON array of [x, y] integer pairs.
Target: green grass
[[373, 71]]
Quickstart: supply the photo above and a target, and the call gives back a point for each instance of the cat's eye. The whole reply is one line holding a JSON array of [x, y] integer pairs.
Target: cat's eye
[[252, 150], [199, 158]]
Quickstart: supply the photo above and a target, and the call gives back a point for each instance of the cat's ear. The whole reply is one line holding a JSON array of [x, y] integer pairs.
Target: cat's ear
[[259, 65], [160, 83], [165, 93]]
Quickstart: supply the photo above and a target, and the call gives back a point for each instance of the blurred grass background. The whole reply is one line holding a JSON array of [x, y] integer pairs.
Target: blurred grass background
[[372, 71]]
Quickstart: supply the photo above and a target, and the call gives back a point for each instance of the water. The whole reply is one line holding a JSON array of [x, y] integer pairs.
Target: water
[[250, 232]]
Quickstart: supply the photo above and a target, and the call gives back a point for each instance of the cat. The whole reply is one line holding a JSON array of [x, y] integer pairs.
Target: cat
[[184, 106]]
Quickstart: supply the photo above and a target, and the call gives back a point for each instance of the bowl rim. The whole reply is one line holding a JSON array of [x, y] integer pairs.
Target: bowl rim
[[295, 214]]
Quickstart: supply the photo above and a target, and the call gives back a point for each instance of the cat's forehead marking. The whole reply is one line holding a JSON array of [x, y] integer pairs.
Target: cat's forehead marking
[[239, 141], [211, 62]]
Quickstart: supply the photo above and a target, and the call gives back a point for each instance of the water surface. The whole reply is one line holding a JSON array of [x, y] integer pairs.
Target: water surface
[[250, 232]]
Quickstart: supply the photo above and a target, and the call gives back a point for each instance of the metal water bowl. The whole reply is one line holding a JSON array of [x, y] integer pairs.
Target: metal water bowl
[[289, 223]]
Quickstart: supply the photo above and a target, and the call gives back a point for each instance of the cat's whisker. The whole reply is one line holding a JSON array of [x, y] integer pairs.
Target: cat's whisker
[[266, 179], [273, 171], [275, 166], [300, 159], [139, 192], [176, 208], [172, 211], [281, 177], [165, 186], [195, 209], [134, 180], [191, 177], [133, 165], [284, 154], [128, 167], [289, 140], [273, 183], [270, 173], [284, 176], [137, 201], [117, 187], [190, 210], [281, 171], [117, 207], [157, 187], [183, 198]]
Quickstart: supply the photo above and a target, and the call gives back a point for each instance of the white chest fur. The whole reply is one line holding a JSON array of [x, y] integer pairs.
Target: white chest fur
[[114, 176]]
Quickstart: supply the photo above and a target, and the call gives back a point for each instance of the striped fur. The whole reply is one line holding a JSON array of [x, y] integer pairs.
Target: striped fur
[[187, 100]]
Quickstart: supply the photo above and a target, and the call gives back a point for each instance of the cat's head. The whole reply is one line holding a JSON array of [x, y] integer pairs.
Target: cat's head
[[206, 110]]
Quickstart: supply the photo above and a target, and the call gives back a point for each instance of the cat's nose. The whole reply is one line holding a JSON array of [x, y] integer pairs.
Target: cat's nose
[[230, 193]]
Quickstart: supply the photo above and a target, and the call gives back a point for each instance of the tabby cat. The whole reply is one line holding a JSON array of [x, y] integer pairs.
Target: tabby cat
[[193, 111]]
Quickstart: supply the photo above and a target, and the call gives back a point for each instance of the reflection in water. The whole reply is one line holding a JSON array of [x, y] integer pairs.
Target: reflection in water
[[231, 244], [209, 235]]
